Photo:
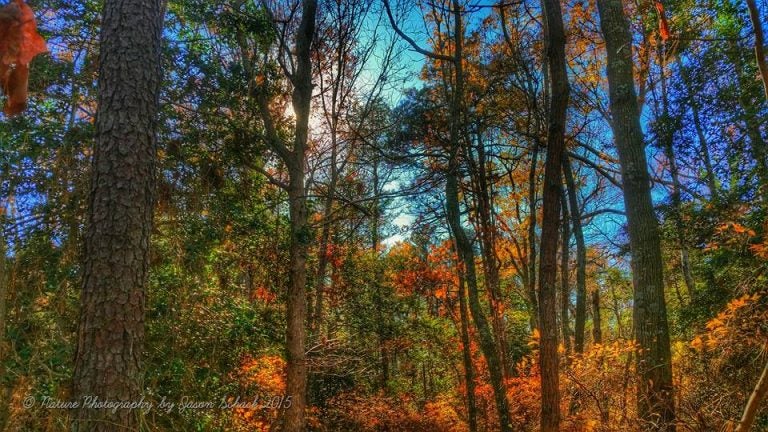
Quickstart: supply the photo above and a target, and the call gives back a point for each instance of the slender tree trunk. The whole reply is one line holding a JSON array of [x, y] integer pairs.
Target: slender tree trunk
[[655, 399], [464, 249], [751, 121], [666, 136], [490, 261], [466, 255], [382, 329], [754, 16], [558, 104], [565, 289], [3, 292], [7, 388], [703, 144], [463, 244], [753, 405], [533, 296], [597, 326], [332, 114], [316, 321], [469, 372], [581, 257], [111, 333]]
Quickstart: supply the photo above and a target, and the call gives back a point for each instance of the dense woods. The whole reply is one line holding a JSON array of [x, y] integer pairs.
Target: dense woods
[[335, 215]]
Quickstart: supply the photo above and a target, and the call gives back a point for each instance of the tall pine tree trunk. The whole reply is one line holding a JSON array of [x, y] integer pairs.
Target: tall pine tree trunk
[[581, 257], [463, 245], [655, 401], [111, 333], [558, 103]]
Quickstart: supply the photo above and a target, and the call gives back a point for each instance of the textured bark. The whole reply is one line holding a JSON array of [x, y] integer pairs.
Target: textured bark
[[296, 310], [655, 401], [753, 405], [549, 361], [754, 16], [111, 332], [295, 419], [581, 258]]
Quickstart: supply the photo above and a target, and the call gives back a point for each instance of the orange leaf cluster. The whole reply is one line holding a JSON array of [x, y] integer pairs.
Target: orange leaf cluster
[[264, 375], [727, 325], [663, 26], [19, 44]]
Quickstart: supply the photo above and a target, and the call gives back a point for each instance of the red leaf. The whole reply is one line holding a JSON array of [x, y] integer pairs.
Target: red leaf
[[663, 26], [19, 44]]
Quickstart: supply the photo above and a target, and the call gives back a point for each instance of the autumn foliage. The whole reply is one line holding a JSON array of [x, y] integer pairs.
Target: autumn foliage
[[663, 25], [406, 326], [19, 44]]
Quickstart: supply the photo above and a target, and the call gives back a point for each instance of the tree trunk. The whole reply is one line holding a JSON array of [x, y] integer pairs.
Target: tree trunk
[[753, 405], [469, 373], [597, 326], [316, 320], [466, 255], [533, 296], [565, 289], [296, 310], [655, 401], [7, 388], [300, 236], [754, 16], [581, 258], [488, 250], [558, 104], [111, 332], [382, 329], [463, 245], [3, 293]]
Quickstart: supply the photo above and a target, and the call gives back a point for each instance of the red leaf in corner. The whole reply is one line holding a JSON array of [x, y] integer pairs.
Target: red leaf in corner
[[19, 44]]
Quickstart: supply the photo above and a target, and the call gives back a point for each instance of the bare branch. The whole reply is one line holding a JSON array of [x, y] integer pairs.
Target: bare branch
[[414, 45]]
